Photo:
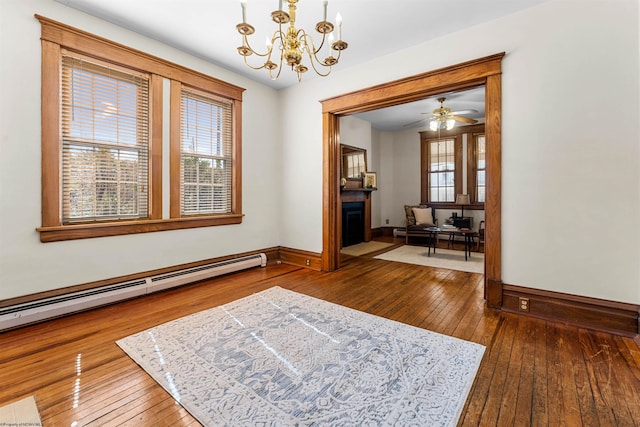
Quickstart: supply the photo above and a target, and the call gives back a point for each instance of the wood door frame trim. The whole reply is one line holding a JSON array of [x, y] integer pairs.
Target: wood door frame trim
[[485, 71]]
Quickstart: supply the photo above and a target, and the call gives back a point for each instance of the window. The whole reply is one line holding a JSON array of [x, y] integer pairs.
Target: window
[[206, 159], [480, 168], [476, 167], [442, 171], [102, 141], [105, 147]]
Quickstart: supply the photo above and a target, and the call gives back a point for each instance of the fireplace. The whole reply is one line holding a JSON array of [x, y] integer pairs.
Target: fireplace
[[353, 223]]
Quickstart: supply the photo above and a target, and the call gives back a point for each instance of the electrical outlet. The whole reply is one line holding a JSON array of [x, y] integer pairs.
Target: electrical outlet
[[308, 262], [523, 303], [387, 221]]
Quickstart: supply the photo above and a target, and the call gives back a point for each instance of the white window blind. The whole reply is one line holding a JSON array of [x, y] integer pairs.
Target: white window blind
[[206, 134], [105, 142]]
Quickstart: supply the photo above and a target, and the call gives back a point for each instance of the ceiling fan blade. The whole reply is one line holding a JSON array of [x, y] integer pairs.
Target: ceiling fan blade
[[464, 119], [415, 123], [470, 111]]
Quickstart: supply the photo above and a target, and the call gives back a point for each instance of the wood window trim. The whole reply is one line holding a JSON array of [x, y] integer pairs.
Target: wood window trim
[[425, 154], [175, 150], [471, 131], [56, 36]]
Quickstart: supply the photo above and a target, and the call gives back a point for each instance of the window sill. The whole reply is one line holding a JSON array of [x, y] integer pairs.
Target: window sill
[[104, 229]]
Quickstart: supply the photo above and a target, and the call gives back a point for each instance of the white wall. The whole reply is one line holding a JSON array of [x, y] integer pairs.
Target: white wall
[[28, 266], [571, 166]]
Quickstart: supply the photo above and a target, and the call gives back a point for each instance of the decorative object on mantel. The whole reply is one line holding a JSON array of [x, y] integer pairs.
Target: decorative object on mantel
[[343, 182], [293, 43], [369, 180], [283, 358], [462, 200]]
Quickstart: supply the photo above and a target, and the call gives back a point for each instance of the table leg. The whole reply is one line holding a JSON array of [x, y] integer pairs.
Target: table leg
[[467, 246], [432, 242]]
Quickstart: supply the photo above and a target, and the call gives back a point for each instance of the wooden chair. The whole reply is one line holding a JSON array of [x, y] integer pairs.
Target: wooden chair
[[413, 229]]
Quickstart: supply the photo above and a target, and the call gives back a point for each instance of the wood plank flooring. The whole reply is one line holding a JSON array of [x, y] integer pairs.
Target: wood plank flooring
[[534, 373]]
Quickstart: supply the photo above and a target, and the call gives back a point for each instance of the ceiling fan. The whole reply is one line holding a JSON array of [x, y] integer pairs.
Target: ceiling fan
[[444, 118]]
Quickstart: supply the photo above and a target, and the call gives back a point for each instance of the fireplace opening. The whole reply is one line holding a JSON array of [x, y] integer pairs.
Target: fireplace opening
[[352, 223]]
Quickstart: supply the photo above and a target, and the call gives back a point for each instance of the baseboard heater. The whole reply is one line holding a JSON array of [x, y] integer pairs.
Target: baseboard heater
[[47, 308]]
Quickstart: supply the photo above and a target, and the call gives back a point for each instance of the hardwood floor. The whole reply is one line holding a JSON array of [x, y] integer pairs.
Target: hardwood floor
[[533, 372]]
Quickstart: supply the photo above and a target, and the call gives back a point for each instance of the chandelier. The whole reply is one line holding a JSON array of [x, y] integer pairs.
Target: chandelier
[[291, 44]]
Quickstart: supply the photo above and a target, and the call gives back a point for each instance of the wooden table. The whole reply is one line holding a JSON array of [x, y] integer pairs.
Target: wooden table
[[468, 235]]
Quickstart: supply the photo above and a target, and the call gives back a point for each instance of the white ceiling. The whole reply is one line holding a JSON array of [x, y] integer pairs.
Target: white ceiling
[[206, 29], [403, 117]]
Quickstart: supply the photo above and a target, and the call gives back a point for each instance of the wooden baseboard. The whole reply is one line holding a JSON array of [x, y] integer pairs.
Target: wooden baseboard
[[312, 260], [591, 313], [382, 232], [493, 293]]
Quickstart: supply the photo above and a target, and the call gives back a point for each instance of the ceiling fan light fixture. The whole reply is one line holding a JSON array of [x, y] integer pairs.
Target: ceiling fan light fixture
[[450, 123], [442, 123]]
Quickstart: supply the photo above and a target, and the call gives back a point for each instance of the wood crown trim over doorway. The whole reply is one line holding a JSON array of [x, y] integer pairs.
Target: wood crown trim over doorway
[[482, 71]]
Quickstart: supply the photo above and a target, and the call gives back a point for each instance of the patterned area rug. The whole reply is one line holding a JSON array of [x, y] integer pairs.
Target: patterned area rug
[[279, 358], [444, 258], [24, 412]]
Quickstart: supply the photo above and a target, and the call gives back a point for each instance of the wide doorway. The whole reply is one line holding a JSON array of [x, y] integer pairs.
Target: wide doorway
[[484, 71]]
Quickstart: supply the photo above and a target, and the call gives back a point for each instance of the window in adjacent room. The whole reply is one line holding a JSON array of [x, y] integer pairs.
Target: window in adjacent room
[[476, 167], [480, 168], [442, 169]]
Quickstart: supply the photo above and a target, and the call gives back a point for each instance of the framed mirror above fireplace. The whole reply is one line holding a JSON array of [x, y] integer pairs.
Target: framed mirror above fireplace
[[352, 165]]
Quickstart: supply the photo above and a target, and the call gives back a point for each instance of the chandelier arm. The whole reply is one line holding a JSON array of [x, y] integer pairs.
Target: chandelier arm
[[252, 66], [304, 37], [313, 51], [276, 36], [279, 67], [319, 71], [245, 42]]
